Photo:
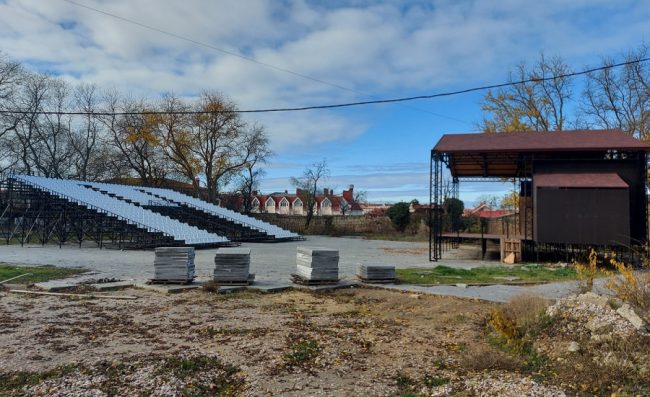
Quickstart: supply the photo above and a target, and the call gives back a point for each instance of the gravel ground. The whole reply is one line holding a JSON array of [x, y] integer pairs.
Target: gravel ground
[[344, 343]]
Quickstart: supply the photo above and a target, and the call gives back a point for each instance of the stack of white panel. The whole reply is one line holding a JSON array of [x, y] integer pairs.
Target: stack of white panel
[[232, 265], [318, 264], [174, 264], [370, 273]]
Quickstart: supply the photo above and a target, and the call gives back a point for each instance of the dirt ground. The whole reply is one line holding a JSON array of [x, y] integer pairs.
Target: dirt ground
[[347, 342]]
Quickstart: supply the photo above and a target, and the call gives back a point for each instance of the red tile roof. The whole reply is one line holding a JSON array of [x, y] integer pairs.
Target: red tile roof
[[575, 180], [578, 140]]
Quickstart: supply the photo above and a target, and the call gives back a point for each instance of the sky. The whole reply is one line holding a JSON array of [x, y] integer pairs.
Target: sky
[[324, 52]]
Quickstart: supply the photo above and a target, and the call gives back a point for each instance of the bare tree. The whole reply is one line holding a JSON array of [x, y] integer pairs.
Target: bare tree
[[620, 98], [539, 105], [86, 135], [11, 75], [360, 196], [248, 183], [307, 185], [41, 143]]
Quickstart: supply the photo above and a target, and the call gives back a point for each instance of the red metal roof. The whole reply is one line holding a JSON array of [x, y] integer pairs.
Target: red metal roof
[[578, 140], [493, 213], [604, 180]]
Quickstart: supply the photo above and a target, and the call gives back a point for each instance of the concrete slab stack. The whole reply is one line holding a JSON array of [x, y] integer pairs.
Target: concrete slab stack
[[317, 264], [376, 273], [174, 264], [232, 265]]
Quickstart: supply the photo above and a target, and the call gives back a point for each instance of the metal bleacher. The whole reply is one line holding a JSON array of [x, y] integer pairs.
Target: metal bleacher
[[117, 201], [270, 230], [129, 193]]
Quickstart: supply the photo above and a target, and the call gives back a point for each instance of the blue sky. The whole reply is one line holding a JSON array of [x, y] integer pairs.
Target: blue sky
[[373, 49]]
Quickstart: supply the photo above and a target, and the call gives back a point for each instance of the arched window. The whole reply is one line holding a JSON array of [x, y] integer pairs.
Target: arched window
[[297, 203], [284, 202], [270, 202]]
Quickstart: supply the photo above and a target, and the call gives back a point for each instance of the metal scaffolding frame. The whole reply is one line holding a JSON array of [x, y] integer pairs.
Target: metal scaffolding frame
[[33, 216]]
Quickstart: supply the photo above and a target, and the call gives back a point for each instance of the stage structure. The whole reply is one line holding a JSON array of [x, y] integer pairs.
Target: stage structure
[[577, 189], [42, 210]]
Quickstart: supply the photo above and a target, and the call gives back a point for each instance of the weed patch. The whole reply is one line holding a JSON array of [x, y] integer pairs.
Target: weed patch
[[485, 275], [301, 350], [410, 387], [13, 383], [38, 273], [211, 287]]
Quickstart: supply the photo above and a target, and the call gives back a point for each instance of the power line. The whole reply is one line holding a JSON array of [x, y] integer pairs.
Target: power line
[[231, 53], [343, 105]]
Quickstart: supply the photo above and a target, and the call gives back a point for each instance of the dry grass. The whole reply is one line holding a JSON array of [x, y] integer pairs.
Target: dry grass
[[482, 357], [618, 366], [520, 319], [528, 340], [211, 286], [406, 251]]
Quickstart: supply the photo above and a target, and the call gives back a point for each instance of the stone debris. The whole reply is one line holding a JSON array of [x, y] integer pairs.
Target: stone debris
[[508, 385], [140, 376], [232, 265], [573, 347], [313, 263], [174, 264], [595, 299], [630, 315], [590, 313]]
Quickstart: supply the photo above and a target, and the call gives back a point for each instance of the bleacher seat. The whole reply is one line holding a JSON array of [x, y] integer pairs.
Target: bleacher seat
[[82, 193], [215, 210]]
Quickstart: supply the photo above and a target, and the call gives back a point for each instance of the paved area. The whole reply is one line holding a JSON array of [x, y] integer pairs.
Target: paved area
[[503, 293], [269, 261], [273, 263]]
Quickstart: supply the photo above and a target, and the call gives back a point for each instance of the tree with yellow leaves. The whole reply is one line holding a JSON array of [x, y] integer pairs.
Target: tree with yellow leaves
[[134, 134], [220, 143]]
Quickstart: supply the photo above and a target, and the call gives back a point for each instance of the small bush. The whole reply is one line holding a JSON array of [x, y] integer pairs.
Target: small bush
[[631, 287], [587, 271], [520, 319], [399, 215]]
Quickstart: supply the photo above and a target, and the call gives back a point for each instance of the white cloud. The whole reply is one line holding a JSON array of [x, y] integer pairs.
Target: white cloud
[[388, 48]]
